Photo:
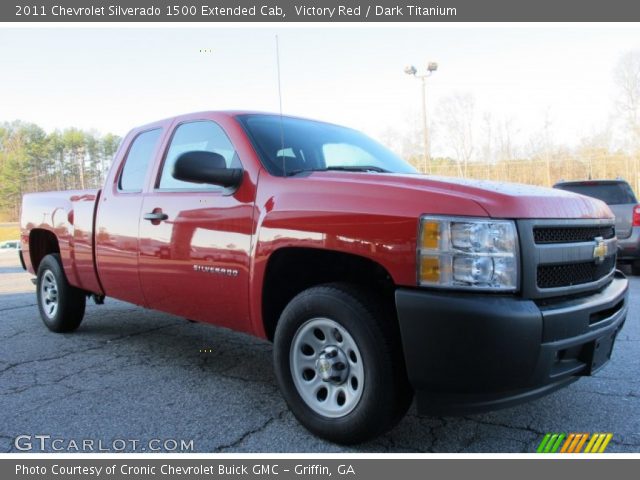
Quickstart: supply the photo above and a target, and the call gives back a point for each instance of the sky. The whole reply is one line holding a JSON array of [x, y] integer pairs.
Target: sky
[[113, 79]]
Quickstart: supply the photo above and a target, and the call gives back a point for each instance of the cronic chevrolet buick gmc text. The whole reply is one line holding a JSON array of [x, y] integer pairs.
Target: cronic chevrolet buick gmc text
[[374, 283]]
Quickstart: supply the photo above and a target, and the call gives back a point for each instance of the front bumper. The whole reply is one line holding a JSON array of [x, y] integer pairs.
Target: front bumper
[[473, 352], [629, 248]]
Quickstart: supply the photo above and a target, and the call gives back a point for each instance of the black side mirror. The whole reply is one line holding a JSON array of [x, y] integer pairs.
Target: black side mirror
[[206, 167]]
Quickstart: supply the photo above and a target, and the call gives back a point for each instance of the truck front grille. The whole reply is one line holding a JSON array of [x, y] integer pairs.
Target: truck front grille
[[552, 276], [562, 257], [546, 235]]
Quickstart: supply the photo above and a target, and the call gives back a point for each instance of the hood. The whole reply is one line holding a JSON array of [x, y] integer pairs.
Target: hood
[[497, 199]]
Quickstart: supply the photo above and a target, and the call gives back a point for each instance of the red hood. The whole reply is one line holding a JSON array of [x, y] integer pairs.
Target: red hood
[[498, 199]]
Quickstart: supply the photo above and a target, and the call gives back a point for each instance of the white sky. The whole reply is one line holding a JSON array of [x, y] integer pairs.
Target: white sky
[[112, 79]]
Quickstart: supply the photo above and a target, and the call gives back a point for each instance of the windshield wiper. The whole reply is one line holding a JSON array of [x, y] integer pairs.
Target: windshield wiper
[[340, 168], [358, 168]]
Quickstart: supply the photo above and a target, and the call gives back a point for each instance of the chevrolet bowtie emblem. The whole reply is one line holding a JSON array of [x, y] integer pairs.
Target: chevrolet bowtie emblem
[[600, 250]]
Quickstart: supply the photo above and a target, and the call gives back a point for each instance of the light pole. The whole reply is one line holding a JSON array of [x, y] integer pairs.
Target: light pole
[[411, 70]]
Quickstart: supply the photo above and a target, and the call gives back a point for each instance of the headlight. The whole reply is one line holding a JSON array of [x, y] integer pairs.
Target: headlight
[[468, 253]]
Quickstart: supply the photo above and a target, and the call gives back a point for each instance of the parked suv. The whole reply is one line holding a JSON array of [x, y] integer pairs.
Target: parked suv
[[622, 201]]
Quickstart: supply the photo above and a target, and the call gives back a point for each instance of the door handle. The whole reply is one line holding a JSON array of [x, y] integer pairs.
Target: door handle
[[155, 216]]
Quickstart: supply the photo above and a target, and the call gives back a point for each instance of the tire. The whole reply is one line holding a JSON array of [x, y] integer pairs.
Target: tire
[[61, 305], [635, 268], [311, 373]]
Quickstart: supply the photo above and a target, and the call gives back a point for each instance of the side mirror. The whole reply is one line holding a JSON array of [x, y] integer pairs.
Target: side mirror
[[206, 167]]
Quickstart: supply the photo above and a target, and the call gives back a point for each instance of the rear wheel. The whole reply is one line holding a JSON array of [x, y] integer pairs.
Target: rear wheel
[[61, 305], [339, 364]]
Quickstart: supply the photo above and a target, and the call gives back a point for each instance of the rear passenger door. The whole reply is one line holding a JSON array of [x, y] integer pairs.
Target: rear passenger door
[[194, 244], [118, 215]]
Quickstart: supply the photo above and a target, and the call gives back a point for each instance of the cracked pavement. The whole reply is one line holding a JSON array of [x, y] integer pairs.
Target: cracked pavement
[[131, 373]]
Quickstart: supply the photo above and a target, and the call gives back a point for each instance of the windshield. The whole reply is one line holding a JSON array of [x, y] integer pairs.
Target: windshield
[[290, 145], [618, 193]]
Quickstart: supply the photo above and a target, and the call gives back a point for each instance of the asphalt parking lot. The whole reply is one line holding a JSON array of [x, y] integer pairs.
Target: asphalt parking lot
[[134, 374]]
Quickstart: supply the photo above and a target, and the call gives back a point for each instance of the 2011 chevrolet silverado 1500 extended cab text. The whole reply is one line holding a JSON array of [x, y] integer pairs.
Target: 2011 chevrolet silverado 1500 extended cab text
[[374, 283]]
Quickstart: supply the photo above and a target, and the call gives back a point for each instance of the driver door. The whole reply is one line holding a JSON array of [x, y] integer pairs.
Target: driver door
[[195, 239]]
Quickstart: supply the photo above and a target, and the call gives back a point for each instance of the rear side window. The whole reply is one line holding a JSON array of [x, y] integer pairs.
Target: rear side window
[[137, 161], [201, 135], [619, 193]]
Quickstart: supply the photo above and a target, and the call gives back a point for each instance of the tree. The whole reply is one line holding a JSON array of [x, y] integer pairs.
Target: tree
[[457, 117], [32, 160], [74, 142], [108, 148], [627, 77]]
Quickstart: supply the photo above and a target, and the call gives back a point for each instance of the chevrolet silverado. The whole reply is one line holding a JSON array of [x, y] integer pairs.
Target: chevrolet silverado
[[374, 283]]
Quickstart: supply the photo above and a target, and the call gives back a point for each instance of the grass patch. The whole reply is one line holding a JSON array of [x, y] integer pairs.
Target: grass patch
[[9, 232]]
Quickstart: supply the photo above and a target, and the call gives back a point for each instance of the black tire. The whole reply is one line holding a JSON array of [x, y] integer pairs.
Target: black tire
[[635, 268], [386, 394], [68, 311]]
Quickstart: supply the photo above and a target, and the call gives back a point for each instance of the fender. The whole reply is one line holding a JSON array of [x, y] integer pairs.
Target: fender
[[69, 216], [317, 211]]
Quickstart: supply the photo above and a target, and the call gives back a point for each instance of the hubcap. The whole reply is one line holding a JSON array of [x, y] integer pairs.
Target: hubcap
[[327, 367], [332, 365], [49, 294]]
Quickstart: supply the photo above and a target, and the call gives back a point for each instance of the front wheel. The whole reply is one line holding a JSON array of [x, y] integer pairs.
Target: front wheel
[[339, 364], [61, 305]]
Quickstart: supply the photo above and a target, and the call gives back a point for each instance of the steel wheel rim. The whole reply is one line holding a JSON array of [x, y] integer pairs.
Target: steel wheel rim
[[310, 352], [49, 294]]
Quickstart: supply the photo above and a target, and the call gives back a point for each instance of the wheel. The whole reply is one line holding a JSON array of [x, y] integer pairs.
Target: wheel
[[635, 268], [61, 305], [339, 364]]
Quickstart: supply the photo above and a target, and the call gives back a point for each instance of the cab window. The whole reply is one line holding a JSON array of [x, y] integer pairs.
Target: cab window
[[137, 161]]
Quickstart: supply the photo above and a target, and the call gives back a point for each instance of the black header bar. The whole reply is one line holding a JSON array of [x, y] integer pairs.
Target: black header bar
[[319, 11]]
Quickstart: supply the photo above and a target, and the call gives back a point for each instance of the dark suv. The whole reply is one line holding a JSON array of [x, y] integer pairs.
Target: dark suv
[[622, 201]]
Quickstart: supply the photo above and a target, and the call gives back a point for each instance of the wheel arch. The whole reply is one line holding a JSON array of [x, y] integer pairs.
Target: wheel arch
[[42, 242], [291, 270]]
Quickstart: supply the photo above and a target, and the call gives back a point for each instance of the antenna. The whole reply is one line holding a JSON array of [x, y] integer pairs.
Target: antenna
[[284, 170]]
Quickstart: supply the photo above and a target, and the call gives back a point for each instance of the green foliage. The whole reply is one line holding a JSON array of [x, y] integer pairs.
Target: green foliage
[[32, 160]]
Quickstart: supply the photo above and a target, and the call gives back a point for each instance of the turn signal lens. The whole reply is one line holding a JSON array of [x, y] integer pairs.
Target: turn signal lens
[[430, 269], [430, 235]]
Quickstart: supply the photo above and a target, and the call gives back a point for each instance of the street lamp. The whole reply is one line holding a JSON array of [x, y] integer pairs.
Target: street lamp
[[413, 71]]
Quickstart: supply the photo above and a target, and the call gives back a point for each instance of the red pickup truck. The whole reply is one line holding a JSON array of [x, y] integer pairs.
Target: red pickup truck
[[374, 283]]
